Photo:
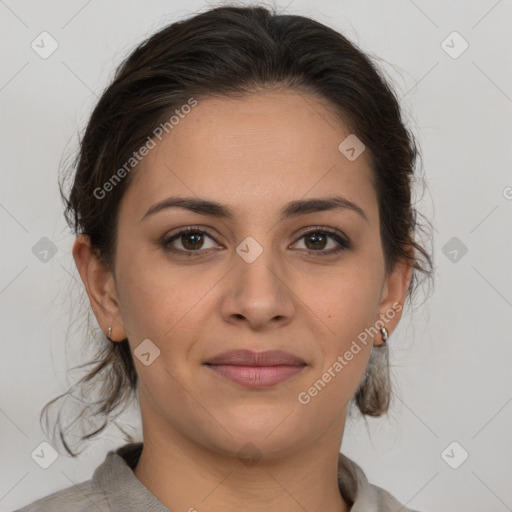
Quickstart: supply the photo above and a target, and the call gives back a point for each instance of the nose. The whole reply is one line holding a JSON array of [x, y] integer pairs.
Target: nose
[[259, 289]]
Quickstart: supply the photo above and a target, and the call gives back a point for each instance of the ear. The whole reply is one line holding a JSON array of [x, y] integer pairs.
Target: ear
[[393, 295], [100, 286]]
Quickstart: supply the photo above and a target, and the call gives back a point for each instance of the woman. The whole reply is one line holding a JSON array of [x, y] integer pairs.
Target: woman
[[246, 238]]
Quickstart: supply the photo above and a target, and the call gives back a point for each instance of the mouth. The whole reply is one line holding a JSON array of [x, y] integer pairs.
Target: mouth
[[256, 369]]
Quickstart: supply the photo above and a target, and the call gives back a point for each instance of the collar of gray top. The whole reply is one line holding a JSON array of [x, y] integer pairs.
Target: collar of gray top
[[124, 491]]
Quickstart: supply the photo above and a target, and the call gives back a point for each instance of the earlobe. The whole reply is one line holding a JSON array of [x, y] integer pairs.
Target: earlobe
[[393, 298], [99, 284]]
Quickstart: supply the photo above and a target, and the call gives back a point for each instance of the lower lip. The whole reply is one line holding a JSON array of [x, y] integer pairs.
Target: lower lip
[[256, 376]]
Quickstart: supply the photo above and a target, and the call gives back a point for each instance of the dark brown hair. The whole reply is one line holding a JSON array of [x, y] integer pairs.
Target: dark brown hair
[[235, 51]]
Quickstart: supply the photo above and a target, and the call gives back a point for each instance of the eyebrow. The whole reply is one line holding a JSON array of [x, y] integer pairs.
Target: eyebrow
[[290, 210]]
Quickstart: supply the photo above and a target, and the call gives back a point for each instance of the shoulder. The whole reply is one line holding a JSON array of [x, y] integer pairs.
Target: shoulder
[[382, 500], [76, 498], [113, 486], [364, 496]]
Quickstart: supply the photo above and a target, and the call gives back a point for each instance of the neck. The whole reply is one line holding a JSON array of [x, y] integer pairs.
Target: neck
[[185, 476]]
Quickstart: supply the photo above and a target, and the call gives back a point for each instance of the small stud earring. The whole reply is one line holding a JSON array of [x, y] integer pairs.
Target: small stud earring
[[110, 333], [385, 336]]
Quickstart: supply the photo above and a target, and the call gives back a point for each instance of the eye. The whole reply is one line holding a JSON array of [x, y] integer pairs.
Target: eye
[[191, 240], [316, 240]]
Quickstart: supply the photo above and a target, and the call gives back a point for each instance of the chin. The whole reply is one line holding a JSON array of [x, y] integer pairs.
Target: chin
[[265, 430]]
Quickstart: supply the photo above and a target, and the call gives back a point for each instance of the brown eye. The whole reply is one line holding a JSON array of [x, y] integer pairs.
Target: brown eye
[[192, 240], [316, 241]]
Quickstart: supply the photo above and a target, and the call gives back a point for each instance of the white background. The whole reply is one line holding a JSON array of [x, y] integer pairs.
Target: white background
[[451, 359]]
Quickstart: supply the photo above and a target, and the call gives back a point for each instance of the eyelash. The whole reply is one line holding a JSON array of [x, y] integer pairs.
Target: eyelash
[[343, 242]]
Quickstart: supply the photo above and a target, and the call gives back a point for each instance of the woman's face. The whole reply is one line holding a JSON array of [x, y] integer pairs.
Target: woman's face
[[255, 281]]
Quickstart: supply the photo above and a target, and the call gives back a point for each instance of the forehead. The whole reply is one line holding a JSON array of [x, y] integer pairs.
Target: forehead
[[252, 152]]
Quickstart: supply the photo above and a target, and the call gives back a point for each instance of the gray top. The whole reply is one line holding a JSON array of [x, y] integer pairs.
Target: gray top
[[115, 488]]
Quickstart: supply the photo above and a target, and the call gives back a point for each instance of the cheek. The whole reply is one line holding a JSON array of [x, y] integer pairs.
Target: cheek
[[164, 303], [348, 302], [348, 308], [147, 296]]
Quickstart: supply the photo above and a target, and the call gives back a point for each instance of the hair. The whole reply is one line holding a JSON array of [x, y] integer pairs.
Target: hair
[[235, 51]]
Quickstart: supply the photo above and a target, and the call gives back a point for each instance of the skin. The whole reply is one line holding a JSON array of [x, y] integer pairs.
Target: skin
[[254, 155]]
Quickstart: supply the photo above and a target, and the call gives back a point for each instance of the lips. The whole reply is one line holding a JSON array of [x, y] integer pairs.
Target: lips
[[256, 369], [250, 358]]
